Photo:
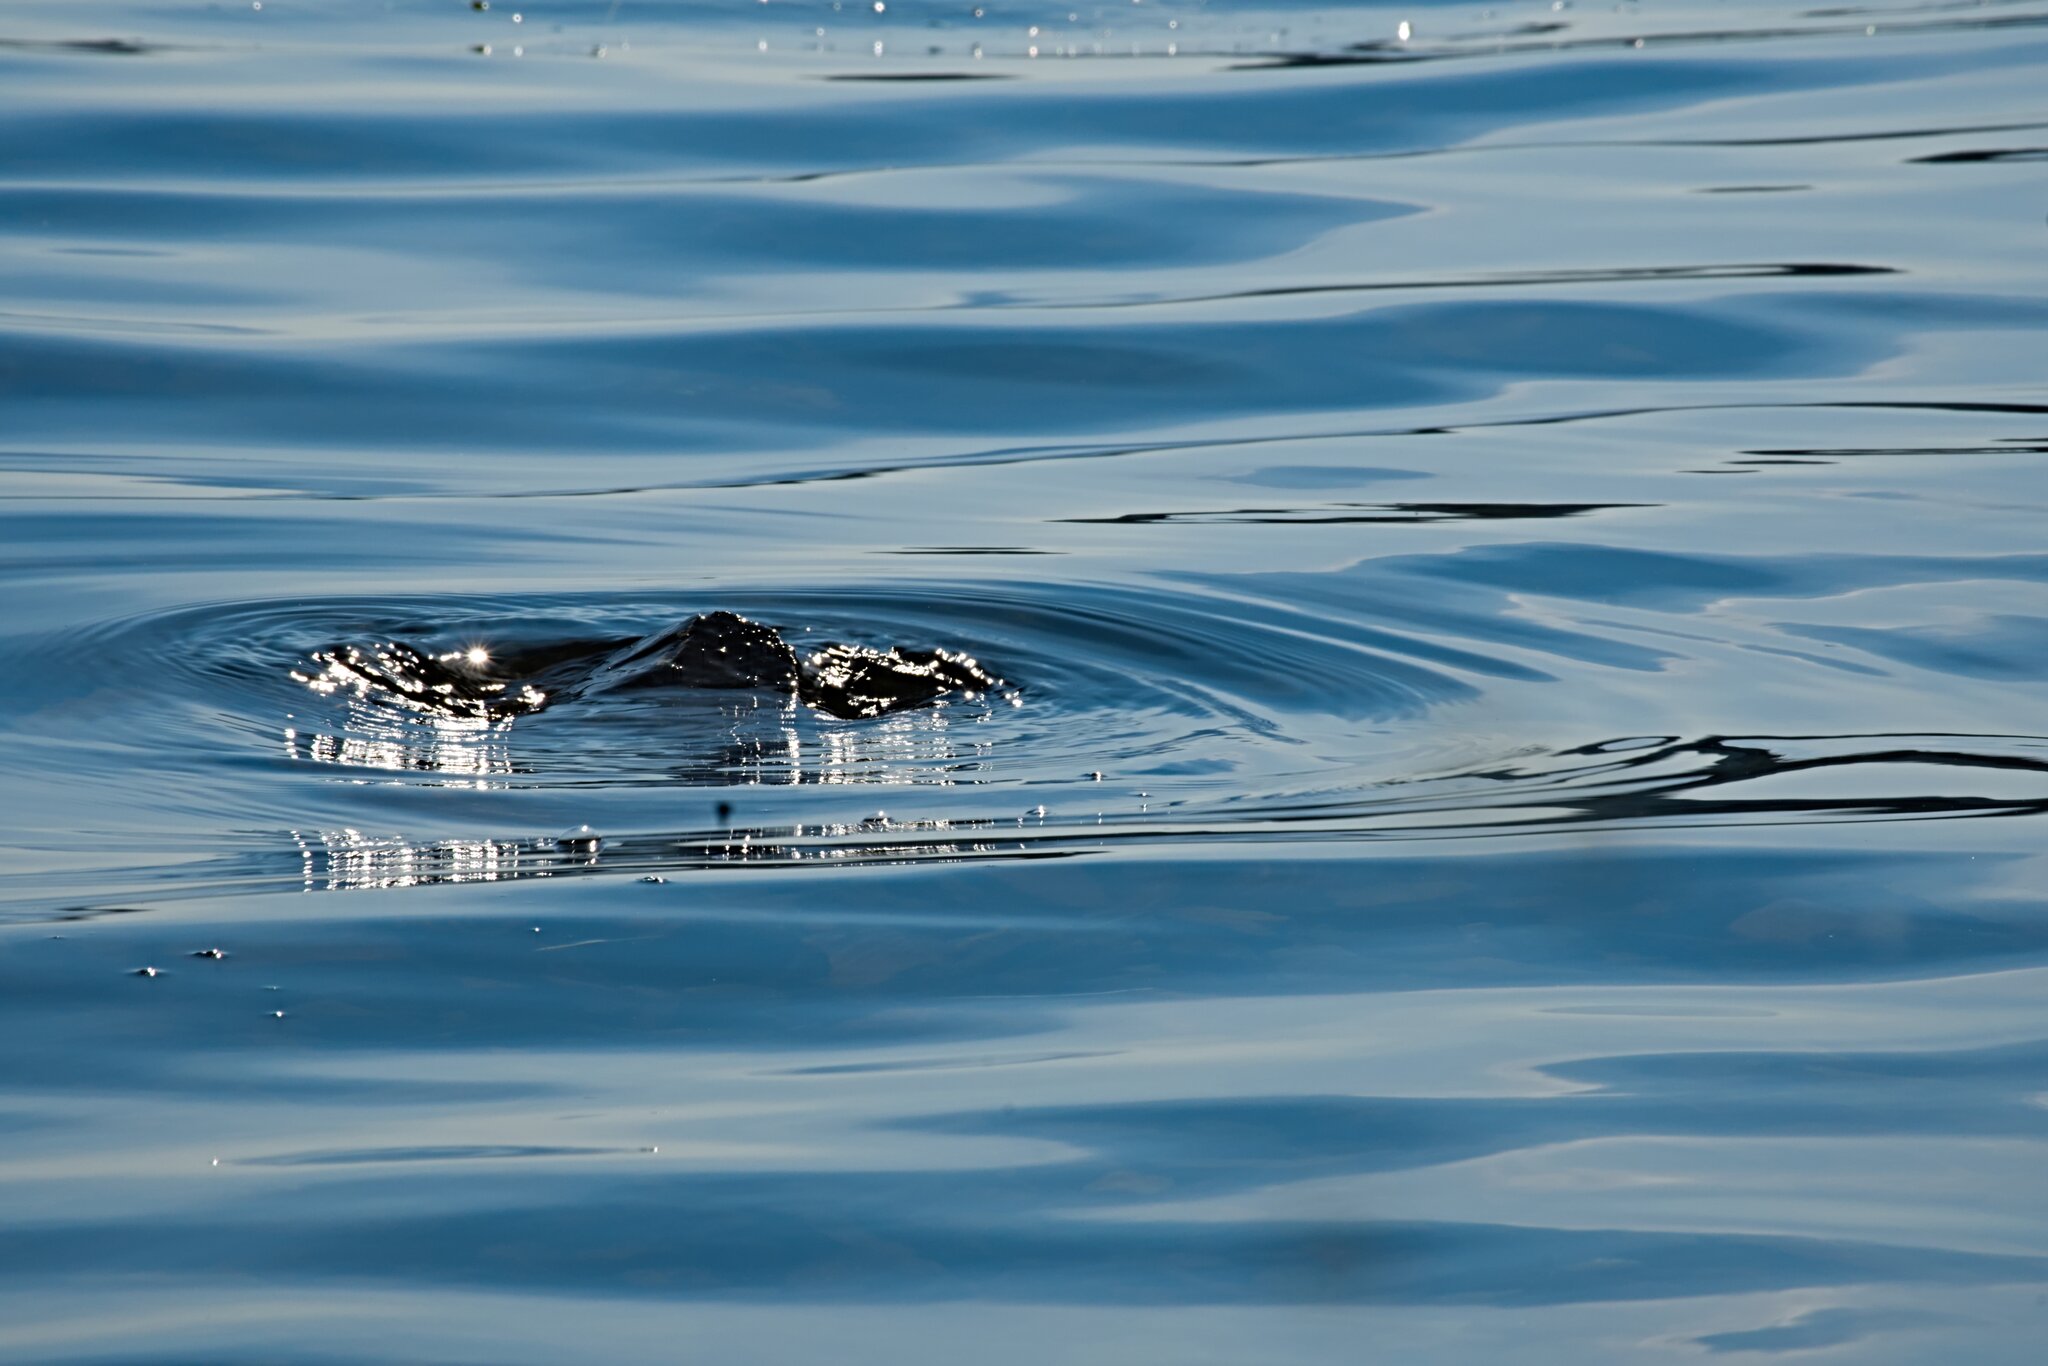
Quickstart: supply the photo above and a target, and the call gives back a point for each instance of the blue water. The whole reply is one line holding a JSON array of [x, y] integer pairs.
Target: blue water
[[1515, 533]]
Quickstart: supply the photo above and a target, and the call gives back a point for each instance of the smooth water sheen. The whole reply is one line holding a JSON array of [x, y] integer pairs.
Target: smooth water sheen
[[1514, 535]]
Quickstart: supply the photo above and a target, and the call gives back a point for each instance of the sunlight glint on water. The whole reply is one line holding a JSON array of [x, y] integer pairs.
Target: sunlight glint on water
[[1511, 534]]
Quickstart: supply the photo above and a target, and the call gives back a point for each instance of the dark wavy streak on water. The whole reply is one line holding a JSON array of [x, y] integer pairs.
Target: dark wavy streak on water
[[1697, 786], [1512, 831]]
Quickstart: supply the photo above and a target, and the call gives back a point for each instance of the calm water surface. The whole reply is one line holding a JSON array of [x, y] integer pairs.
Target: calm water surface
[[1516, 533]]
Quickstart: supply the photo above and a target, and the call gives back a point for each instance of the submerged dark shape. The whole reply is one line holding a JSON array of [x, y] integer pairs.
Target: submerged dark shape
[[457, 684], [713, 650], [852, 680]]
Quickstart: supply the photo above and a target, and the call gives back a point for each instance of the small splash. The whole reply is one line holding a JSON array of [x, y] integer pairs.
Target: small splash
[[714, 650], [456, 684]]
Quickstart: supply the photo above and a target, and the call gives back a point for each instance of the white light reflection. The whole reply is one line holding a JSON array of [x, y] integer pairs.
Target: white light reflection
[[934, 747], [878, 839], [468, 751], [347, 860]]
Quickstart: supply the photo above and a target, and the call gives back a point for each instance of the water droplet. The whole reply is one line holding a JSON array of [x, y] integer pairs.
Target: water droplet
[[146, 972], [654, 877], [581, 838], [208, 953]]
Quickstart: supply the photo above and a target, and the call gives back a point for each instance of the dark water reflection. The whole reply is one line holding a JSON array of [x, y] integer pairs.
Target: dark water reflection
[[1450, 875]]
